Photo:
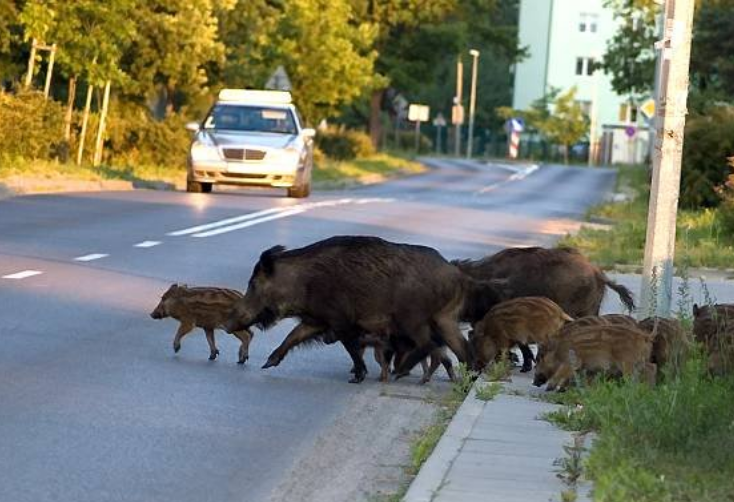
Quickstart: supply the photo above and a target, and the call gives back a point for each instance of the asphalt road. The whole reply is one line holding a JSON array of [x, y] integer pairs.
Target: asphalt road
[[94, 405]]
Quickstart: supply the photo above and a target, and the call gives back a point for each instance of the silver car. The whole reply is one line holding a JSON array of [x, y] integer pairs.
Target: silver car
[[253, 138]]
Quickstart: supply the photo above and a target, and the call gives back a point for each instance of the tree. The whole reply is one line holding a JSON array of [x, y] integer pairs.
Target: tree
[[712, 67], [630, 57], [8, 35], [175, 42]]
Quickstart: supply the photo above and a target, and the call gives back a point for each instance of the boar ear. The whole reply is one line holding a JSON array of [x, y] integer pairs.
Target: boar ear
[[696, 310], [267, 258]]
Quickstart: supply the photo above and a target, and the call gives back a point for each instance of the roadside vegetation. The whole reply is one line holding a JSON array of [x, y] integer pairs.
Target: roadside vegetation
[[705, 236]]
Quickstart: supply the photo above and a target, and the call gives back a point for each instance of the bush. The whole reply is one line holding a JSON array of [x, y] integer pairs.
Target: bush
[[344, 144], [31, 126], [134, 137], [708, 143], [406, 141], [726, 209]]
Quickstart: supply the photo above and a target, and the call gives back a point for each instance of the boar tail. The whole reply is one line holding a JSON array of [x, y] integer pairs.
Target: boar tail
[[624, 293]]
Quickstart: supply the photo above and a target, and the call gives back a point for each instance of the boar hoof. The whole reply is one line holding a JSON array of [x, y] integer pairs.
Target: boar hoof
[[242, 360], [357, 378], [526, 368], [176, 347], [213, 355], [425, 380], [273, 360]]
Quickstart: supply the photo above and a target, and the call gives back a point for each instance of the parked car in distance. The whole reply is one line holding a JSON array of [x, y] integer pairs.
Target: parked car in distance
[[251, 138]]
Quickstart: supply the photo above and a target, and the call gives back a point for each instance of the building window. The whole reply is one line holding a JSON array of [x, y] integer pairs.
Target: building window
[[585, 66], [588, 22], [579, 66], [627, 113], [585, 106]]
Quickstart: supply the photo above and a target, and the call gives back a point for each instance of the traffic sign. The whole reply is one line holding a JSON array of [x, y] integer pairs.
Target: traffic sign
[[457, 115], [418, 113], [279, 80], [630, 131], [439, 121], [648, 108], [517, 124]]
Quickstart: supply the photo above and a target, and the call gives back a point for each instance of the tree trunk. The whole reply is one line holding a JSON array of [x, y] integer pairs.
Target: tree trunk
[[85, 120], [565, 154], [69, 109], [375, 117]]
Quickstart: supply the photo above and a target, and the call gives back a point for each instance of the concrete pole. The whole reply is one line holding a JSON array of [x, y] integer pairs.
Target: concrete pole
[[593, 119], [472, 101], [85, 121], [657, 280], [458, 98]]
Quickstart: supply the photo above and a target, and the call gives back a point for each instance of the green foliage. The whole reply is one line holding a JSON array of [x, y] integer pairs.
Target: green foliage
[[134, 137], [630, 58], [709, 142], [367, 170], [726, 209], [344, 144], [465, 378], [666, 443], [30, 126], [488, 391], [712, 68]]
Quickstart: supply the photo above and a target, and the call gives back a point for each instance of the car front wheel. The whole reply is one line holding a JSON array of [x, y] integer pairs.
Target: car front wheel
[[299, 191]]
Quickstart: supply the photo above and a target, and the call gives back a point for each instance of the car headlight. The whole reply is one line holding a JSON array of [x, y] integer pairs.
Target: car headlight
[[203, 151]]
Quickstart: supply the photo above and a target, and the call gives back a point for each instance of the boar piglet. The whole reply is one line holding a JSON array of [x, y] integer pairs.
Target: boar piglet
[[522, 321], [203, 307], [612, 350], [351, 285]]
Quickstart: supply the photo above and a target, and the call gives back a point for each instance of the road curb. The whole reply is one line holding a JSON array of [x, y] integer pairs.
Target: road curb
[[433, 472], [19, 186]]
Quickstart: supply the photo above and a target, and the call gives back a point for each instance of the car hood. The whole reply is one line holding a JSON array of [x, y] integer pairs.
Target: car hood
[[251, 139]]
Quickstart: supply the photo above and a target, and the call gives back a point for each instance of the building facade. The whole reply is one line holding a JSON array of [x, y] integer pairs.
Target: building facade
[[565, 38]]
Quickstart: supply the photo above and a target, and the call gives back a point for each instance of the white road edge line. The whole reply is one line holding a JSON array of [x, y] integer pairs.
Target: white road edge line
[[519, 175], [147, 244], [239, 226], [91, 257], [23, 274]]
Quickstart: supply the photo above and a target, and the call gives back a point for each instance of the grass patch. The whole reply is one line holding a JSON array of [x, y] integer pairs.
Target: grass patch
[[488, 391], [700, 233], [370, 169], [672, 442], [50, 170]]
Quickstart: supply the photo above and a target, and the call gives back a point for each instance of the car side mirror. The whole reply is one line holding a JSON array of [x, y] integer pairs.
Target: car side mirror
[[308, 133], [192, 126]]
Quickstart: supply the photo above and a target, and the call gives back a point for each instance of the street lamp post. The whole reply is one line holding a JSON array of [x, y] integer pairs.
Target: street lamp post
[[472, 101]]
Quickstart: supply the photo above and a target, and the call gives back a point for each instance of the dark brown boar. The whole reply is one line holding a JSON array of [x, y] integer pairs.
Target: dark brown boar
[[203, 307], [615, 350], [709, 320], [562, 274], [524, 321], [353, 285]]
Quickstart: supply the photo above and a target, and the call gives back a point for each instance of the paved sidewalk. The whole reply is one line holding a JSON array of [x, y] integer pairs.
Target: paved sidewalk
[[499, 450]]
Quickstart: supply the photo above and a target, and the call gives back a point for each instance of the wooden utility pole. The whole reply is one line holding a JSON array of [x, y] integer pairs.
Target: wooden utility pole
[[675, 47], [50, 70], [31, 64], [85, 121], [69, 109], [100, 129]]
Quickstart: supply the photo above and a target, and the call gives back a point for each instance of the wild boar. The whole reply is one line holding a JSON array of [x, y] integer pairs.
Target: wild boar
[[525, 320], [709, 320], [669, 343], [204, 307], [352, 285], [562, 274], [615, 350]]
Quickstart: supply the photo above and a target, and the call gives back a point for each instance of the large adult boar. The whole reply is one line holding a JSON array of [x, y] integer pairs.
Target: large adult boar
[[713, 327], [616, 350], [207, 308], [526, 320], [563, 274], [355, 285]]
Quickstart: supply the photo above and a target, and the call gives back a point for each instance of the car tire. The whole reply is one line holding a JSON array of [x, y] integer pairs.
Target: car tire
[[193, 186], [206, 187], [300, 191]]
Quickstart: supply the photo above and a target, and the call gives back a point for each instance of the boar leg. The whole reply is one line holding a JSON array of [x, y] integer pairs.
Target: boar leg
[[527, 357], [213, 350], [245, 337], [183, 329], [435, 363], [560, 378], [301, 333], [383, 360], [448, 330], [355, 352]]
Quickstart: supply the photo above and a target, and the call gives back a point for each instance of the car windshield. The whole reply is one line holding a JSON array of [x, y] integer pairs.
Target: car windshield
[[251, 118]]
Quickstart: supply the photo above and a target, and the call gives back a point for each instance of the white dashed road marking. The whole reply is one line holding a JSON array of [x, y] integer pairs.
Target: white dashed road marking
[[147, 244], [91, 257], [228, 221], [519, 174], [239, 226], [23, 274]]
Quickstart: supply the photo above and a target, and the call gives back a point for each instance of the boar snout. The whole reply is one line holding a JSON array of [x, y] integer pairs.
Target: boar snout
[[157, 313], [539, 379]]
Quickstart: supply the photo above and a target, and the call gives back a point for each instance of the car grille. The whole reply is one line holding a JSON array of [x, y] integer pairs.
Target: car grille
[[242, 154]]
